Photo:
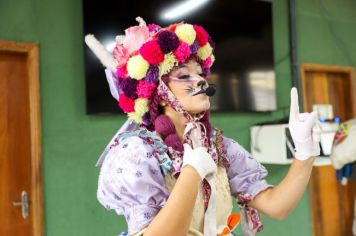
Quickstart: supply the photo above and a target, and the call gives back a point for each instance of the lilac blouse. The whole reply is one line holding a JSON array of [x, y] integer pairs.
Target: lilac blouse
[[131, 179]]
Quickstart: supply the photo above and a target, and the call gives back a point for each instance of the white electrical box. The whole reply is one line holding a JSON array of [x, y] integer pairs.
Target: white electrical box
[[269, 144]]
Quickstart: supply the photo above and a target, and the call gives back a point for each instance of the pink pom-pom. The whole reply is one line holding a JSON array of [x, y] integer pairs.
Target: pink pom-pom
[[173, 141], [121, 54], [145, 89], [127, 104], [182, 52], [207, 63], [121, 72], [151, 52], [164, 126], [202, 35]]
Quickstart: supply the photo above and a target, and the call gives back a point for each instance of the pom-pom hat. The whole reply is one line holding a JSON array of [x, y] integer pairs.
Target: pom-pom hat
[[143, 55]]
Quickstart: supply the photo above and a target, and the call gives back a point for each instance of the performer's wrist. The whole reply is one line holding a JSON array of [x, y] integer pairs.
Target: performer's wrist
[[192, 172]]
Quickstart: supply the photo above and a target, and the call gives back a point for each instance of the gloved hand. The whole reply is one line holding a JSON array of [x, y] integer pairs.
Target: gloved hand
[[305, 130], [200, 160]]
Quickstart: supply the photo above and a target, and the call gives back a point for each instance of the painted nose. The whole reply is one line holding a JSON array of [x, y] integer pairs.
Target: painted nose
[[201, 83]]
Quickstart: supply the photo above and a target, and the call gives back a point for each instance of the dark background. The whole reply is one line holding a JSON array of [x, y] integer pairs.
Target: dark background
[[241, 29]]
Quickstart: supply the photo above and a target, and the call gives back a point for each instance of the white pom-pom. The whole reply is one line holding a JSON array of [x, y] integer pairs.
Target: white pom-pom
[[99, 50]]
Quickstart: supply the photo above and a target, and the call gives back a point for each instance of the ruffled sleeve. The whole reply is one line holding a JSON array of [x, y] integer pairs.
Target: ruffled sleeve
[[131, 183], [246, 175]]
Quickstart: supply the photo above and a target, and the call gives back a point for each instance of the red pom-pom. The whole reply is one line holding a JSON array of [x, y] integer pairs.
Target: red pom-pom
[[202, 35], [152, 53], [127, 104]]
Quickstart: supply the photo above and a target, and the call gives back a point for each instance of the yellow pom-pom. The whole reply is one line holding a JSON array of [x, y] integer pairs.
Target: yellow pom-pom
[[135, 117], [167, 65], [137, 67], [205, 51], [186, 33], [141, 106]]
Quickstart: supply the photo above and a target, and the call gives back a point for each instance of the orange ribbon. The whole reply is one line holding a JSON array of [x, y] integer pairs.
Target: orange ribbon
[[232, 222]]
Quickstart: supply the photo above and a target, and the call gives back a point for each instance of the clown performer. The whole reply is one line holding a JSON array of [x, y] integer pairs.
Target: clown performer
[[167, 170]]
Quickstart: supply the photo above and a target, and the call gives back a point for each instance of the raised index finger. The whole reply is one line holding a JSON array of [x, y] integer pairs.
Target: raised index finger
[[294, 105]]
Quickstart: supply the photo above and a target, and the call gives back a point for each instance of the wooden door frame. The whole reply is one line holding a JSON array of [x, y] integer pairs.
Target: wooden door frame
[[31, 52], [326, 68], [325, 173]]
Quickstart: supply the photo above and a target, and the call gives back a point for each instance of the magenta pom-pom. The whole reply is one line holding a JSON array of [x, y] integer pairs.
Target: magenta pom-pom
[[164, 126], [121, 72], [207, 63], [173, 141], [182, 52], [145, 89]]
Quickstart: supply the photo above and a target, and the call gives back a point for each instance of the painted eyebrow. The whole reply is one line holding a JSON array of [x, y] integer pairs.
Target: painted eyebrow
[[181, 66], [197, 65], [184, 65]]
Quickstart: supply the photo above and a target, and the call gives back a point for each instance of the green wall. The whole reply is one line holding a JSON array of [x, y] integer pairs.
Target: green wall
[[72, 140]]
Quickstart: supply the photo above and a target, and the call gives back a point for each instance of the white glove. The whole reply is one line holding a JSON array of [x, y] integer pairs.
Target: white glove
[[200, 160], [305, 130]]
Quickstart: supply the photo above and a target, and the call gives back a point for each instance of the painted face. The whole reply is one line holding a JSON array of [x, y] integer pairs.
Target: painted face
[[185, 82]]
